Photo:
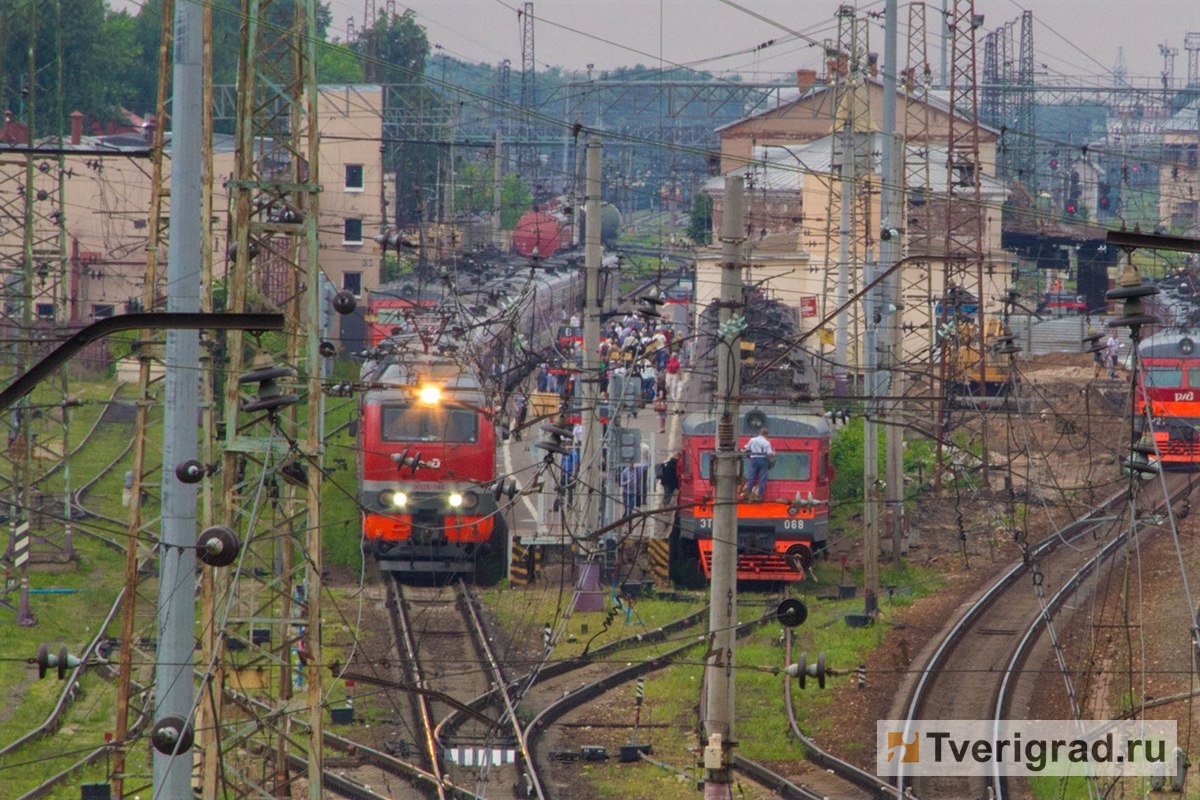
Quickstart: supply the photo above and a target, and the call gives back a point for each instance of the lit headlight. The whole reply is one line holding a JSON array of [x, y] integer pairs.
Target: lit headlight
[[455, 500], [390, 499]]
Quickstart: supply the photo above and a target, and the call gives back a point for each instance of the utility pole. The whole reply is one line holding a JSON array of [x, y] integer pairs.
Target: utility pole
[[497, 187], [588, 471], [176, 660], [722, 622], [156, 233], [892, 212]]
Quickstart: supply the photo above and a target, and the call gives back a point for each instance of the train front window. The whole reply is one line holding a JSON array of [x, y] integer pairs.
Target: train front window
[[788, 466], [412, 424], [1162, 377], [1193, 376]]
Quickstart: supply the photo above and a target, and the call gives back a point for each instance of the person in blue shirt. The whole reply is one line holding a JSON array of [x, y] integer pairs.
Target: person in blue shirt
[[761, 452]]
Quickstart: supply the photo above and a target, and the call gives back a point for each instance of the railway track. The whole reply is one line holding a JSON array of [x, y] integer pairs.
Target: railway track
[[91, 654], [445, 649], [975, 669]]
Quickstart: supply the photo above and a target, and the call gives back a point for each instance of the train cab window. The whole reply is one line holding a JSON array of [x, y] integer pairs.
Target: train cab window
[[408, 424], [1193, 376], [788, 466], [1163, 377], [791, 467]]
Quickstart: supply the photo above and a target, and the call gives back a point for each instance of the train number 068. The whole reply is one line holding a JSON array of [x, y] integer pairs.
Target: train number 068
[[793, 524]]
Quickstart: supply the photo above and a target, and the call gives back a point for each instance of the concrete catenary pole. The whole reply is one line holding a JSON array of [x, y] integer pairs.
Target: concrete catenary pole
[[892, 170], [588, 499], [497, 186], [173, 674], [720, 661]]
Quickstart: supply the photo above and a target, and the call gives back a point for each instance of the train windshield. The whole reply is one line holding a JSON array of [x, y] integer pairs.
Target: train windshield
[[1162, 377], [787, 467], [411, 424]]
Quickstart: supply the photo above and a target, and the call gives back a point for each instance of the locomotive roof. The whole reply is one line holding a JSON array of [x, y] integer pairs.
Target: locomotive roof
[[1170, 344], [781, 421]]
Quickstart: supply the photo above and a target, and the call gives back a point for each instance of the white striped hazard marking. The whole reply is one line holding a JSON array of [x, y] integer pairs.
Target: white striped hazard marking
[[21, 546], [481, 756]]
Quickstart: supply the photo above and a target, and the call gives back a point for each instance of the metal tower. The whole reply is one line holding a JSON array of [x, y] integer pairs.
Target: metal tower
[[964, 212], [1191, 44], [849, 201], [271, 427], [917, 279], [527, 157], [33, 286], [370, 42], [1023, 137]]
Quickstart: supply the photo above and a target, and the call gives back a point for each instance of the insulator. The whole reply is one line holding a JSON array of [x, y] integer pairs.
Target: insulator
[[217, 546]]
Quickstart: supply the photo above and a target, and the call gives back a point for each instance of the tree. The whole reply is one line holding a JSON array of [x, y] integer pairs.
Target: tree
[[515, 199], [338, 63], [393, 49], [75, 28], [700, 221], [473, 182]]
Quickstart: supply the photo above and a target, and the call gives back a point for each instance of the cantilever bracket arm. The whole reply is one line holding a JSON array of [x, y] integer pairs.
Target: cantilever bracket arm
[[153, 320], [1132, 240]]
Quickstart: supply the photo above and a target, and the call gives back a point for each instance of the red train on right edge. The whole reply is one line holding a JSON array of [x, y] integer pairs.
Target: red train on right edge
[[1168, 398]]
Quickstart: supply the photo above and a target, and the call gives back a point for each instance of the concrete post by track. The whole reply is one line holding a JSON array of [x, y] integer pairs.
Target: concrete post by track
[[720, 660], [173, 675]]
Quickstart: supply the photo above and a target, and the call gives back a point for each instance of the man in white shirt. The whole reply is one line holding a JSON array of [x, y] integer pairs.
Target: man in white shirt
[[760, 451]]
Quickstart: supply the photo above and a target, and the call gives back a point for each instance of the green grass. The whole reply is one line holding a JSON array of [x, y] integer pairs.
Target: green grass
[[672, 693]]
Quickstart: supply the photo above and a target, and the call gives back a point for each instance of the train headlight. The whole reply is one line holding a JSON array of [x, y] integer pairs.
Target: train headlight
[[469, 501], [391, 499], [430, 395], [455, 500]]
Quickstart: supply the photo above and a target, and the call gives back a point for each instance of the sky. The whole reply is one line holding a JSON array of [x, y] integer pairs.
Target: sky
[[1072, 38]]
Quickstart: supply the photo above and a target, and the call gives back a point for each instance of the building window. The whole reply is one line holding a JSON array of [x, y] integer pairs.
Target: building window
[[102, 310], [44, 310], [354, 177], [352, 231], [352, 282]]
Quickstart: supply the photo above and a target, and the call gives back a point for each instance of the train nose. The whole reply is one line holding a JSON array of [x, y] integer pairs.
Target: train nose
[[428, 535]]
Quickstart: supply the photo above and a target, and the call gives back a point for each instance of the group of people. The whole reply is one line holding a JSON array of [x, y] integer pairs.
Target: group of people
[[640, 365]]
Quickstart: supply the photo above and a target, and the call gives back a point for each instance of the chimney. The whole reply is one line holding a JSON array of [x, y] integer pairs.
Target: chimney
[[806, 79], [76, 127]]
